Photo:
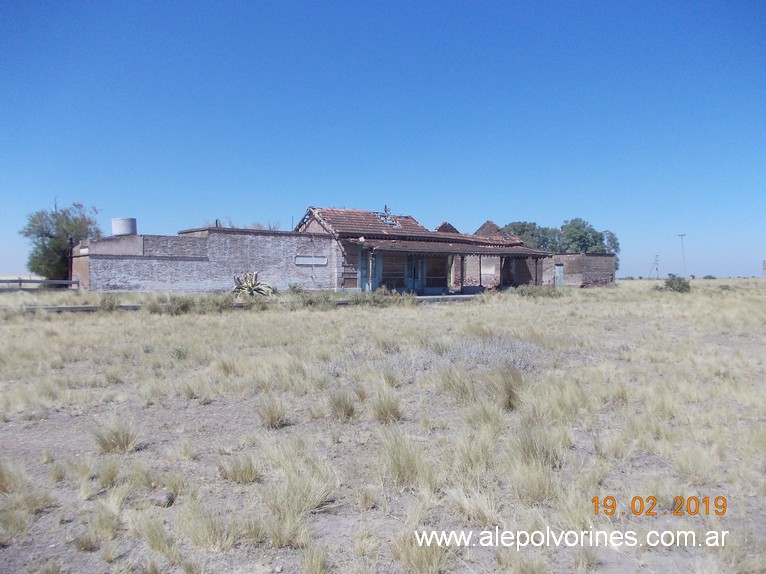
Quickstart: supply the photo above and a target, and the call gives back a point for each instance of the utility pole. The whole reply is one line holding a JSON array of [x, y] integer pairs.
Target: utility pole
[[683, 254], [655, 267]]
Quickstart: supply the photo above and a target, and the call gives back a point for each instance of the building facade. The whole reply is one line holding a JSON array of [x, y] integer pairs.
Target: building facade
[[579, 270], [329, 249]]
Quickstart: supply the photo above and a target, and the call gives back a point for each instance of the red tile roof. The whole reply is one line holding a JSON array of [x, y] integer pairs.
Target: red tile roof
[[356, 223], [489, 229], [361, 222], [447, 228]]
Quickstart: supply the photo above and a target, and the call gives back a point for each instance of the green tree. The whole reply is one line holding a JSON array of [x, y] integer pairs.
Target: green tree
[[612, 246], [52, 232], [574, 236], [524, 230], [549, 238], [534, 236], [579, 236]]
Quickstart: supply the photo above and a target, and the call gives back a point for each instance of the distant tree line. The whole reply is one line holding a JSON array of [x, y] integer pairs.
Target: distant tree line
[[574, 236]]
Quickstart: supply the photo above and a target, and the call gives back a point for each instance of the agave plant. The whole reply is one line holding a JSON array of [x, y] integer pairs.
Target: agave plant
[[248, 284]]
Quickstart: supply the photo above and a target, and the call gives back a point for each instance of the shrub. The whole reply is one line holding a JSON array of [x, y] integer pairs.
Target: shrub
[[108, 302], [677, 284], [174, 305], [382, 297], [180, 305], [216, 303], [154, 307], [318, 300], [709, 277]]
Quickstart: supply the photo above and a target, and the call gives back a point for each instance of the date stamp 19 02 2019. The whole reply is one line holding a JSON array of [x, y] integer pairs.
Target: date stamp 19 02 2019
[[647, 506]]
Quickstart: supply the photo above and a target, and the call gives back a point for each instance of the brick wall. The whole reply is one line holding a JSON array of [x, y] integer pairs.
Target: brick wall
[[175, 246], [581, 269], [526, 271], [203, 262], [273, 255], [485, 273], [599, 270]]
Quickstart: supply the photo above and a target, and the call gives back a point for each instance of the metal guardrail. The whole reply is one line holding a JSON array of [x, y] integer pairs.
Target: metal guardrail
[[20, 282]]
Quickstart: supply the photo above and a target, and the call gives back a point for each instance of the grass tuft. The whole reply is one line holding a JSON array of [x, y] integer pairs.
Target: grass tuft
[[203, 527], [315, 561], [417, 559], [117, 435], [241, 470], [403, 460], [273, 413], [385, 406], [341, 404]]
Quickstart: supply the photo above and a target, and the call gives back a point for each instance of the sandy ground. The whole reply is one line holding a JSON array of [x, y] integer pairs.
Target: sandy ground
[[85, 369]]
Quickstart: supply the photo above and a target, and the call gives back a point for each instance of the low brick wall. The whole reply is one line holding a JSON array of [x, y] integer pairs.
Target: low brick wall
[[581, 269], [208, 261]]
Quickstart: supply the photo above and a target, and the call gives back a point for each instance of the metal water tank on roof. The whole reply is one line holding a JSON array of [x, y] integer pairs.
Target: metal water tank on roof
[[124, 226]]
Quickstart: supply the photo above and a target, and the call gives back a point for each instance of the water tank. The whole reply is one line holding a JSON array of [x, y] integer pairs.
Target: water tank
[[124, 226]]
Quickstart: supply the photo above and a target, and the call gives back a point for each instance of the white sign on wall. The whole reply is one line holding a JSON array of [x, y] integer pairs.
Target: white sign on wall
[[313, 260]]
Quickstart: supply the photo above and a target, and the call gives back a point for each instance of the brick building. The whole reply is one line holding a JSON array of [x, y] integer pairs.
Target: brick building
[[579, 270], [329, 249]]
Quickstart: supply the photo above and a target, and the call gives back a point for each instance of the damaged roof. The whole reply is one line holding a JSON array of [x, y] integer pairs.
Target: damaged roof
[[357, 223], [361, 222], [490, 229], [445, 247], [447, 227]]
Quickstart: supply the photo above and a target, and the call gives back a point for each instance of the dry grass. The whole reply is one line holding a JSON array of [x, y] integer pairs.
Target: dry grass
[[341, 404], [507, 410], [419, 559], [116, 435], [239, 469], [305, 484], [315, 561], [403, 460], [273, 413], [20, 501], [204, 528], [386, 407]]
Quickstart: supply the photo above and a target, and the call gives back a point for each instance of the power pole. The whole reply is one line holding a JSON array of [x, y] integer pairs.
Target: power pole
[[655, 267], [683, 254]]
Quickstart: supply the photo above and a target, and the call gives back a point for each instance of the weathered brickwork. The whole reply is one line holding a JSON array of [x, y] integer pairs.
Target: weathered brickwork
[[274, 257], [171, 246], [581, 269], [203, 262], [525, 271], [484, 271]]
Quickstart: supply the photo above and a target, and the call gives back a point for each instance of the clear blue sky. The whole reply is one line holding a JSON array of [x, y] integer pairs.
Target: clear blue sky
[[645, 118]]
